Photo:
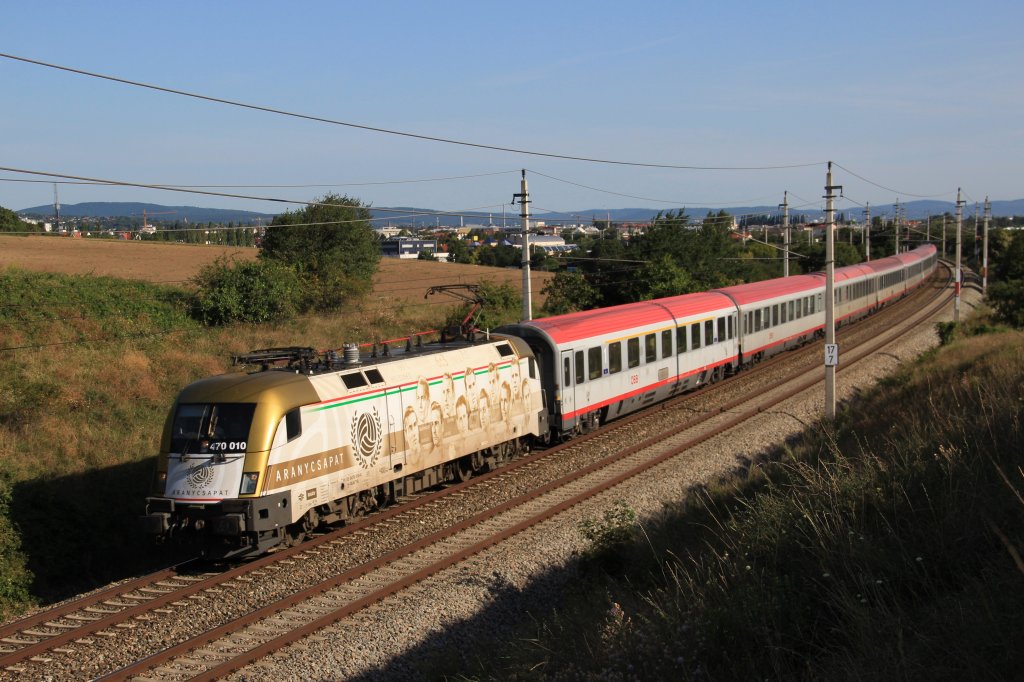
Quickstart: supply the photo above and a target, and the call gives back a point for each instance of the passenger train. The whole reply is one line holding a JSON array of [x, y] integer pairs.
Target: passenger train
[[249, 461]]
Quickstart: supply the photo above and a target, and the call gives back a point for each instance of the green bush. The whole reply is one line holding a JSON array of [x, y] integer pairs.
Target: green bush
[[261, 291], [1007, 299], [14, 577]]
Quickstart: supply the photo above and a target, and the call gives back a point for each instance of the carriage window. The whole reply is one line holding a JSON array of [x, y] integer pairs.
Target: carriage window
[[732, 325], [651, 348], [757, 320], [580, 375], [666, 343], [695, 335], [681, 339], [633, 351], [766, 316], [782, 313], [594, 362], [709, 332], [775, 315], [614, 357], [567, 371], [721, 328]]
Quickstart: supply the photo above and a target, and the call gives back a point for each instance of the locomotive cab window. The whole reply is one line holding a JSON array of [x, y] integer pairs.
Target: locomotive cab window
[[200, 428]]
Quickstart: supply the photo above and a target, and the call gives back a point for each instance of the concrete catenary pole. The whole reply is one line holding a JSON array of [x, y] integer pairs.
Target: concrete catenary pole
[[943, 235], [977, 237], [957, 272], [831, 349], [867, 231], [984, 247], [785, 233], [896, 228], [524, 214]]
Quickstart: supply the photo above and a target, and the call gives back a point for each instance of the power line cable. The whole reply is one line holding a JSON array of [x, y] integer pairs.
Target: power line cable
[[674, 202], [122, 183], [336, 184], [890, 189], [430, 138]]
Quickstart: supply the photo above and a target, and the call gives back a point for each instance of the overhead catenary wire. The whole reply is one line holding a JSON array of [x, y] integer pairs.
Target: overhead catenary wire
[[418, 136], [290, 186]]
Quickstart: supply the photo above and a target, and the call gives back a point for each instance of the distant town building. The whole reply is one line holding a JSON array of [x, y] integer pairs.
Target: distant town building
[[388, 232], [409, 248], [545, 242]]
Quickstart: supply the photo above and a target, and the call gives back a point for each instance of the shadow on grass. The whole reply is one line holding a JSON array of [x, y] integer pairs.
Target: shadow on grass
[[80, 532]]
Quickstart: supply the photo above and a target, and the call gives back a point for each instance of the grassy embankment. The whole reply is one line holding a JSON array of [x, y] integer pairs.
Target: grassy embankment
[[887, 547], [90, 366]]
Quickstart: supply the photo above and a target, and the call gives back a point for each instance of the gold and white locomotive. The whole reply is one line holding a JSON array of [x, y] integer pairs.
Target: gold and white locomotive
[[249, 461]]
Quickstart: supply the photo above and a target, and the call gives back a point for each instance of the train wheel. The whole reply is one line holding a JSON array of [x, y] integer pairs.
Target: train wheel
[[300, 530], [462, 469]]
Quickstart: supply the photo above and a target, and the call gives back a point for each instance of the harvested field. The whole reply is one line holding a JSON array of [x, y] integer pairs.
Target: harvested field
[[397, 280]]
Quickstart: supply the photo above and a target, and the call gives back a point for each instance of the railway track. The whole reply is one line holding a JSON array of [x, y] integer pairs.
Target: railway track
[[30, 645]]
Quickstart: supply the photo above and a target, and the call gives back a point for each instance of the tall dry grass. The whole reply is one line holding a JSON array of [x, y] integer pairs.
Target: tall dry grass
[[885, 546]]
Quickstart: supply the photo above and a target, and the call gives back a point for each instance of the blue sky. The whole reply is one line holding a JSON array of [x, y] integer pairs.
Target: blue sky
[[916, 97]]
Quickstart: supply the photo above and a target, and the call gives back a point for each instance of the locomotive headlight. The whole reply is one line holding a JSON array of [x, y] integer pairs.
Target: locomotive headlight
[[249, 481]]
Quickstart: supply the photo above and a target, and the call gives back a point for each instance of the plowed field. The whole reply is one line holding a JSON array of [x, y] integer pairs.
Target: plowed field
[[405, 280]]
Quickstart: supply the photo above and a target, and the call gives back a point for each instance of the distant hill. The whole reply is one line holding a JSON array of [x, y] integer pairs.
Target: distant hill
[[426, 217], [118, 209]]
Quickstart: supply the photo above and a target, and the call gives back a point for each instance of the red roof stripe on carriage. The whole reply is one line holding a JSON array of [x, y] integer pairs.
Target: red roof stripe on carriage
[[754, 292], [628, 317]]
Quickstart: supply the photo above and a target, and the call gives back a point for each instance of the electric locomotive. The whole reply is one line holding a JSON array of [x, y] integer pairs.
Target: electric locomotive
[[252, 460]]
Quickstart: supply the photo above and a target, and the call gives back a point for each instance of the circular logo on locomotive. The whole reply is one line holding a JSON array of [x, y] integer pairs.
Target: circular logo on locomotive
[[200, 476], [366, 438]]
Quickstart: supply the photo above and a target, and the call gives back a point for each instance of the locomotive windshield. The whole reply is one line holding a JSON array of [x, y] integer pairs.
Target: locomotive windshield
[[211, 428]]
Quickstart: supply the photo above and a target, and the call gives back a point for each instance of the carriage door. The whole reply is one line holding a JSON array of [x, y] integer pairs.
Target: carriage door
[[567, 394]]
